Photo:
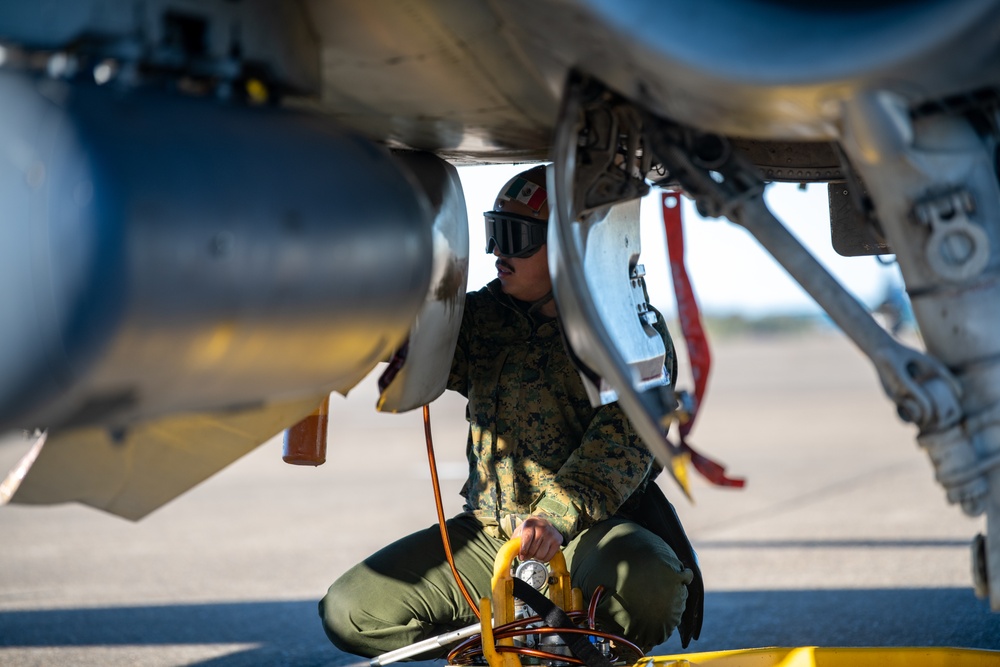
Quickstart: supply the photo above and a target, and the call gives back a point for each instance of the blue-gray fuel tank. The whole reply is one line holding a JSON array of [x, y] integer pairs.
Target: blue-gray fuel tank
[[163, 254]]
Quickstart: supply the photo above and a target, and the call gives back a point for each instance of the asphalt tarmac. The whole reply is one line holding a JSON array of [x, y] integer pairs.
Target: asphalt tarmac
[[840, 538]]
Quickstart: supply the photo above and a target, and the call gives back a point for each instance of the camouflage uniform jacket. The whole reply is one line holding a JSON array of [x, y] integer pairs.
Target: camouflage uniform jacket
[[536, 445]]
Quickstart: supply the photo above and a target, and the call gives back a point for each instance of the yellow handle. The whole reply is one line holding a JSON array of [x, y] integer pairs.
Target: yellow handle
[[560, 589], [493, 657], [561, 593]]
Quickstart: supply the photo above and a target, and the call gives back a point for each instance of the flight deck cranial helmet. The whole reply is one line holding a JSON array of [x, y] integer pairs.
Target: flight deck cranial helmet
[[518, 223]]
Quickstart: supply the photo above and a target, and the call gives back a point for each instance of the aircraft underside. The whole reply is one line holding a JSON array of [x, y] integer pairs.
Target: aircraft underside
[[205, 232]]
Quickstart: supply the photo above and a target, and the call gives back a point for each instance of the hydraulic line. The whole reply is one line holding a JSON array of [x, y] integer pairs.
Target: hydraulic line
[[592, 609], [471, 649], [467, 652], [440, 511]]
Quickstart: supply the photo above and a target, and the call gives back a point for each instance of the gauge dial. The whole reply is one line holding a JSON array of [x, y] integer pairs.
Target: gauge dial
[[534, 572]]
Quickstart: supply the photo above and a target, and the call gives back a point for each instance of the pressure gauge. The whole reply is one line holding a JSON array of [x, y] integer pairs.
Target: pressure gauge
[[534, 572]]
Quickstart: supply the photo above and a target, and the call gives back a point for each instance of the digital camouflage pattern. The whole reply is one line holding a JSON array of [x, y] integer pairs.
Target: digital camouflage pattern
[[536, 446]]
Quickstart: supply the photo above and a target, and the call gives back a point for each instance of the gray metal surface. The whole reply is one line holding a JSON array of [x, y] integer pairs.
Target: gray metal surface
[[597, 262], [480, 80], [430, 344], [934, 183], [839, 539], [211, 38], [592, 265], [168, 254], [483, 79], [776, 69], [134, 471]]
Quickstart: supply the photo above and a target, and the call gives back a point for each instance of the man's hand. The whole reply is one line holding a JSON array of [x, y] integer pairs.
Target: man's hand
[[539, 539]]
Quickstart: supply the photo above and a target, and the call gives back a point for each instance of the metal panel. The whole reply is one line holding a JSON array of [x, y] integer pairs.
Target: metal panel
[[426, 357], [131, 473]]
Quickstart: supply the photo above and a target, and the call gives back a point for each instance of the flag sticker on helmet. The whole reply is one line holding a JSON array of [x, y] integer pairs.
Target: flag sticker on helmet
[[527, 193]]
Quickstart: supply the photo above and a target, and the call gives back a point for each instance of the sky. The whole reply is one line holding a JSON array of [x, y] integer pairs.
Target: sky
[[730, 272]]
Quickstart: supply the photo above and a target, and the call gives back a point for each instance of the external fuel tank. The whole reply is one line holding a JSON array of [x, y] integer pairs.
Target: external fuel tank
[[162, 253]]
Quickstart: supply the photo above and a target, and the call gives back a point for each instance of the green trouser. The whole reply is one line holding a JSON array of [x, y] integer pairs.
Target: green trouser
[[406, 592]]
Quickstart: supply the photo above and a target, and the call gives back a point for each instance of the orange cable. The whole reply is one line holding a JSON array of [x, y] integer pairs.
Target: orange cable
[[440, 510]]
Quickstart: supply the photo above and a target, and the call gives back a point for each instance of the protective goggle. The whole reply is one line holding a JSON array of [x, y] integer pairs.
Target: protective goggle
[[515, 235]]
